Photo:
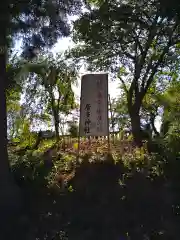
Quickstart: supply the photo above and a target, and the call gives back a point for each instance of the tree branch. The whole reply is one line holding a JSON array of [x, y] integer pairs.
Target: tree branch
[[146, 74], [139, 63], [128, 54], [152, 33], [139, 45], [136, 39], [129, 96], [154, 70], [160, 61], [59, 99], [124, 85]]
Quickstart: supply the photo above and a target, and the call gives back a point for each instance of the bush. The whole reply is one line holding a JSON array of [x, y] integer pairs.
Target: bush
[[73, 130]]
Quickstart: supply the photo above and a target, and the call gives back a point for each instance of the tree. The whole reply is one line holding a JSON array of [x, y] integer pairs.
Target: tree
[[119, 115], [53, 81], [73, 129], [150, 109], [149, 112], [135, 40], [169, 101], [13, 108], [13, 95], [40, 23], [7, 189]]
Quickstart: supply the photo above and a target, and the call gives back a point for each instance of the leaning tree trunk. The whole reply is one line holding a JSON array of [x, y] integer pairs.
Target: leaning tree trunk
[[55, 113], [56, 124], [9, 192]]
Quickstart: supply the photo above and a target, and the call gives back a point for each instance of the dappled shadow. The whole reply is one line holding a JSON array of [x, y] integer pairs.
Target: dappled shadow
[[103, 200]]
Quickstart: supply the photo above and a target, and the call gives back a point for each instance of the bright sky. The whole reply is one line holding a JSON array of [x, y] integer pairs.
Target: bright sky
[[114, 91], [63, 45]]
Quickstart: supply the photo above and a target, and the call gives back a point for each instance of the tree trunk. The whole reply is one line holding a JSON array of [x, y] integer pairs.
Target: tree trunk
[[56, 124], [136, 126], [9, 192]]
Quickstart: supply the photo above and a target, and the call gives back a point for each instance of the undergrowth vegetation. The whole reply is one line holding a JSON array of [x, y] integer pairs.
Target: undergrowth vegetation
[[98, 195]]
